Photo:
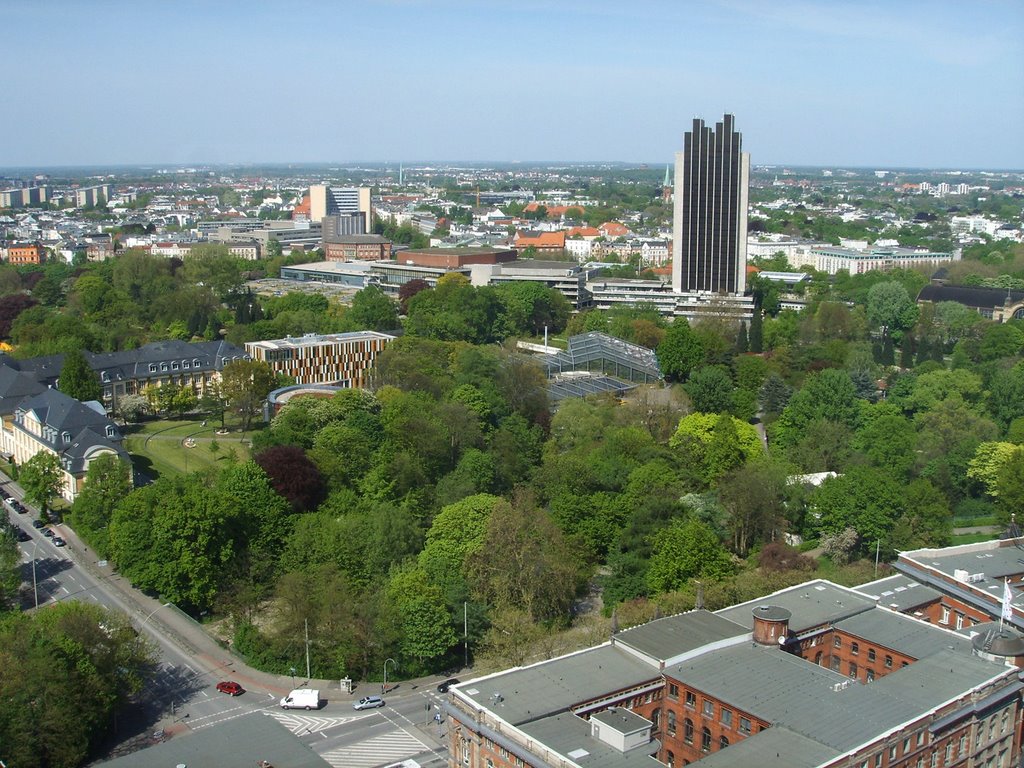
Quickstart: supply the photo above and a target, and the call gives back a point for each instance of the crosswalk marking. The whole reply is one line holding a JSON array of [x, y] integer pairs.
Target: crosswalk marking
[[381, 750], [302, 724]]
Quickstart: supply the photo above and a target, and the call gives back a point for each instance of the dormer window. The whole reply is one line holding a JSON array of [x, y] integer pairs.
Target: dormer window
[[110, 431], [195, 363], [105, 376], [174, 366], [66, 437], [152, 367], [184, 364]]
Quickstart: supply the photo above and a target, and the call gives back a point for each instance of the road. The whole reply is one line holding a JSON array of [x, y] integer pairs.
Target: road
[[181, 694]]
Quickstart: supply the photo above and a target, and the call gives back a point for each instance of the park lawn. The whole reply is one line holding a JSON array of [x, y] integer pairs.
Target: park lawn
[[157, 447], [972, 538]]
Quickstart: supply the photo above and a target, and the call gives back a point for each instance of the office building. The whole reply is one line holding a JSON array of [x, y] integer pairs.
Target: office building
[[710, 210], [339, 224], [813, 676], [833, 259], [338, 358], [326, 201]]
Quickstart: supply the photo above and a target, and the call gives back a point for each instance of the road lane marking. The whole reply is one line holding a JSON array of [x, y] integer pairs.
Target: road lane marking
[[380, 750], [303, 724]]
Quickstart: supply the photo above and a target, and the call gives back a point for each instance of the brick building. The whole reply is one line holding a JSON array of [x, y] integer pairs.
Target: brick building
[[814, 676], [26, 253], [454, 258], [357, 248]]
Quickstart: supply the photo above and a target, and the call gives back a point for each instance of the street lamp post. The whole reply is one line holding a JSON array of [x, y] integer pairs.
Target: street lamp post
[[384, 688], [35, 589], [151, 613]]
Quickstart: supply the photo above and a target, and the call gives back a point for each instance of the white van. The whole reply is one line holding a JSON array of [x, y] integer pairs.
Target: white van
[[301, 698]]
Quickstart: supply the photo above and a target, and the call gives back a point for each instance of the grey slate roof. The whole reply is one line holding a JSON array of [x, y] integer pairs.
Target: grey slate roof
[[64, 414], [970, 296], [134, 363], [15, 386]]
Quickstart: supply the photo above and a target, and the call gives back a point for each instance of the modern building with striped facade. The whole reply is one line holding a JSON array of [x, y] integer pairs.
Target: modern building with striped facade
[[339, 358], [710, 212]]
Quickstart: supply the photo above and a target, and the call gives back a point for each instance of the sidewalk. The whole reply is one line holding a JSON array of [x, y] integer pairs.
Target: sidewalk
[[212, 658]]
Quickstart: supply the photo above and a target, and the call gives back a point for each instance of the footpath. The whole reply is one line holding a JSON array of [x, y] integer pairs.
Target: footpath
[[211, 657]]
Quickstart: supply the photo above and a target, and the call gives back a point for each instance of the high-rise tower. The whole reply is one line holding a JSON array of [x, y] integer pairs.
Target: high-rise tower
[[710, 211]]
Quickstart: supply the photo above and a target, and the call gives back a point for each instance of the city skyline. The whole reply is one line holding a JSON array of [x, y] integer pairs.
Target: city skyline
[[812, 83]]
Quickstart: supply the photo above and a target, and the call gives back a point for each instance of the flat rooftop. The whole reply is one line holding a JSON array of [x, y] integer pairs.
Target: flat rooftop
[[812, 604], [316, 340], [525, 694]]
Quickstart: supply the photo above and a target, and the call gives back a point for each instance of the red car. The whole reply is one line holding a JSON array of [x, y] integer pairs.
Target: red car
[[230, 687]]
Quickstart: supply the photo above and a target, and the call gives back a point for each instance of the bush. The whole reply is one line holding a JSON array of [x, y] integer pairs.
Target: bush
[[776, 557]]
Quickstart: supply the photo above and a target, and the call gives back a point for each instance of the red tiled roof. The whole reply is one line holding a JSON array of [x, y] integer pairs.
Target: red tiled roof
[[540, 239]]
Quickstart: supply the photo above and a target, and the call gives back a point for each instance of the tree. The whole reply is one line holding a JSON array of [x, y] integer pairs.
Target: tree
[[77, 379], [65, 673], [408, 290], [828, 395], [710, 389], [10, 308], [866, 499], [525, 562], [42, 478], [988, 463], [685, 550], [133, 407], [680, 351], [175, 537], [753, 495], [371, 310], [1010, 487], [774, 394], [890, 308], [107, 481], [425, 629], [245, 384], [756, 336], [292, 475]]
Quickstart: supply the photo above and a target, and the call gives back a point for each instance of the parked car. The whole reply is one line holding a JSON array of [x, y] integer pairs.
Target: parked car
[[22, 535], [49, 533], [230, 687], [369, 703], [443, 687], [58, 541], [20, 508], [38, 524]]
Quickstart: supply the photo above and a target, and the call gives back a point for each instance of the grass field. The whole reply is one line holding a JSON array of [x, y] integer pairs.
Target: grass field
[[972, 538], [183, 446]]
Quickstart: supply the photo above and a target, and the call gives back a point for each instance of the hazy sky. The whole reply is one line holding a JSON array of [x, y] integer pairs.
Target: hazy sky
[[931, 83]]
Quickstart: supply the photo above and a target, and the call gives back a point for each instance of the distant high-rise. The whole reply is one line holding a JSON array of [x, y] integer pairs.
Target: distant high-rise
[[325, 200], [710, 211]]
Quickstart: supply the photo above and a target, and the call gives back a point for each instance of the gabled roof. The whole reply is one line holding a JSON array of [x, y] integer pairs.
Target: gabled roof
[[64, 414], [15, 386]]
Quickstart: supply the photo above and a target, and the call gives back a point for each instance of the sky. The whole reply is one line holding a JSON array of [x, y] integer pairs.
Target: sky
[[865, 83]]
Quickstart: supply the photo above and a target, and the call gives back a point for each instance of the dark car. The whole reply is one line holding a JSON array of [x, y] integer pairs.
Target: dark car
[[22, 535], [20, 508], [38, 524], [443, 687], [49, 533], [230, 687], [58, 541]]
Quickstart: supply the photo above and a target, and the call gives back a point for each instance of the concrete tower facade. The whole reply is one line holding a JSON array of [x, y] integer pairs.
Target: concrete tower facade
[[710, 211]]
